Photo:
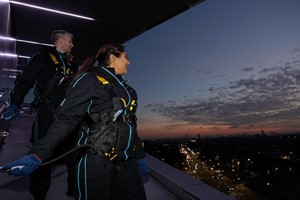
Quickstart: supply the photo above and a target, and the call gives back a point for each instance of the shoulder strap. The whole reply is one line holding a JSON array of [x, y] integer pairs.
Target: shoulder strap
[[53, 58], [108, 87], [102, 80]]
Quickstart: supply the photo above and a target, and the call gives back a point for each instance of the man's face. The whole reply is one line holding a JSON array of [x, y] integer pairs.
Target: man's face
[[65, 44]]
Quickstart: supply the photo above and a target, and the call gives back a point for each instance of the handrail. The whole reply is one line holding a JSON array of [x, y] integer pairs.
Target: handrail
[[3, 107], [3, 92], [3, 133]]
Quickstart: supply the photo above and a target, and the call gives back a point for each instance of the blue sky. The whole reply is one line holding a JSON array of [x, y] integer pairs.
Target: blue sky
[[222, 67]]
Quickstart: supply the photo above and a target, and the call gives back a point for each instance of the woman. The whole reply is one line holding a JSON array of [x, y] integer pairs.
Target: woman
[[105, 105]]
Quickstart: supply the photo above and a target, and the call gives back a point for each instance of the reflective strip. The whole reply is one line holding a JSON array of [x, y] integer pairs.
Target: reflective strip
[[131, 105], [102, 80], [53, 58], [124, 102]]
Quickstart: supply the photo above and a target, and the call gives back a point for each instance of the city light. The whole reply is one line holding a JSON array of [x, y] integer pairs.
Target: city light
[[255, 163]]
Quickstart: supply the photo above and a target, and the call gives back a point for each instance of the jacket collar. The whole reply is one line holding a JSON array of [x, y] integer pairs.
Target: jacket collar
[[106, 72]]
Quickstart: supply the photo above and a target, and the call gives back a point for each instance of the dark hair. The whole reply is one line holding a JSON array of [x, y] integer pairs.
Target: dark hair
[[106, 50], [102, 56]]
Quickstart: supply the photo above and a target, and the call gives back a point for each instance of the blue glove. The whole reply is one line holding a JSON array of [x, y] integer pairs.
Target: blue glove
[[144, 169], [11, 112], [23, 166]]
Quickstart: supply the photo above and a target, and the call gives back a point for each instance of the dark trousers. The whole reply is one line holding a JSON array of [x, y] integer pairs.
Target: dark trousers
[[99, 179], [40, 180]]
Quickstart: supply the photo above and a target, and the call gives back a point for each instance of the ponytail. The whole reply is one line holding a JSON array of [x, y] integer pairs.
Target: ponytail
[[86, 66]]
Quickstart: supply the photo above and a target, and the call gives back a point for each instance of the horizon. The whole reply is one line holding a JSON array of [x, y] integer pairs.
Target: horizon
[[193, 136]]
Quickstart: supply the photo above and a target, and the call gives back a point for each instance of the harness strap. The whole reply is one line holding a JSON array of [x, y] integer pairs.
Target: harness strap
[[119, 107], [51, 86], [108, 87], [102, 80], [53, 58]]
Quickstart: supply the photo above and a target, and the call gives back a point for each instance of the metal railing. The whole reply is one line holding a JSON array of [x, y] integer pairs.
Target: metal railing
[[4, 124]]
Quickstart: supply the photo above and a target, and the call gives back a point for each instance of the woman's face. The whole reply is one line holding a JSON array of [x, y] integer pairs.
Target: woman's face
[[120, 63]]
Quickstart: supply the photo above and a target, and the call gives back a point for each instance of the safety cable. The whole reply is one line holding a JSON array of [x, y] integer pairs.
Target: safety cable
[[68, 152], [55, 159]]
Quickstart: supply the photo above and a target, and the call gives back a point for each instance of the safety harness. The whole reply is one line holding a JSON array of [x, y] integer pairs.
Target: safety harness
[[100, 140], [99, 127], [63, 77]]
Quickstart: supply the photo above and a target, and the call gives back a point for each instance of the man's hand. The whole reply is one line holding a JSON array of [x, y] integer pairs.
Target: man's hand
[[144, 169], [23, 166], [11, 112]]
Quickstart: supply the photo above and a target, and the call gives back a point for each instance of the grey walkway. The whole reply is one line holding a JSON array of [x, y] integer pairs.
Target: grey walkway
[[16, 188]]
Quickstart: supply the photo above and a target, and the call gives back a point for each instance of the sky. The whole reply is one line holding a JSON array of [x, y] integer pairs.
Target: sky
[[219, 68]]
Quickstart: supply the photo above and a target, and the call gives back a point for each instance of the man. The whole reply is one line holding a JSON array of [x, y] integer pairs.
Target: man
[[51, 72]]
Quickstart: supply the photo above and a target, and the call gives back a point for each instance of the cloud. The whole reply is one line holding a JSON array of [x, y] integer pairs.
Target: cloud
[[210, 71], [272, 98], [296, 50], [248, 69]]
